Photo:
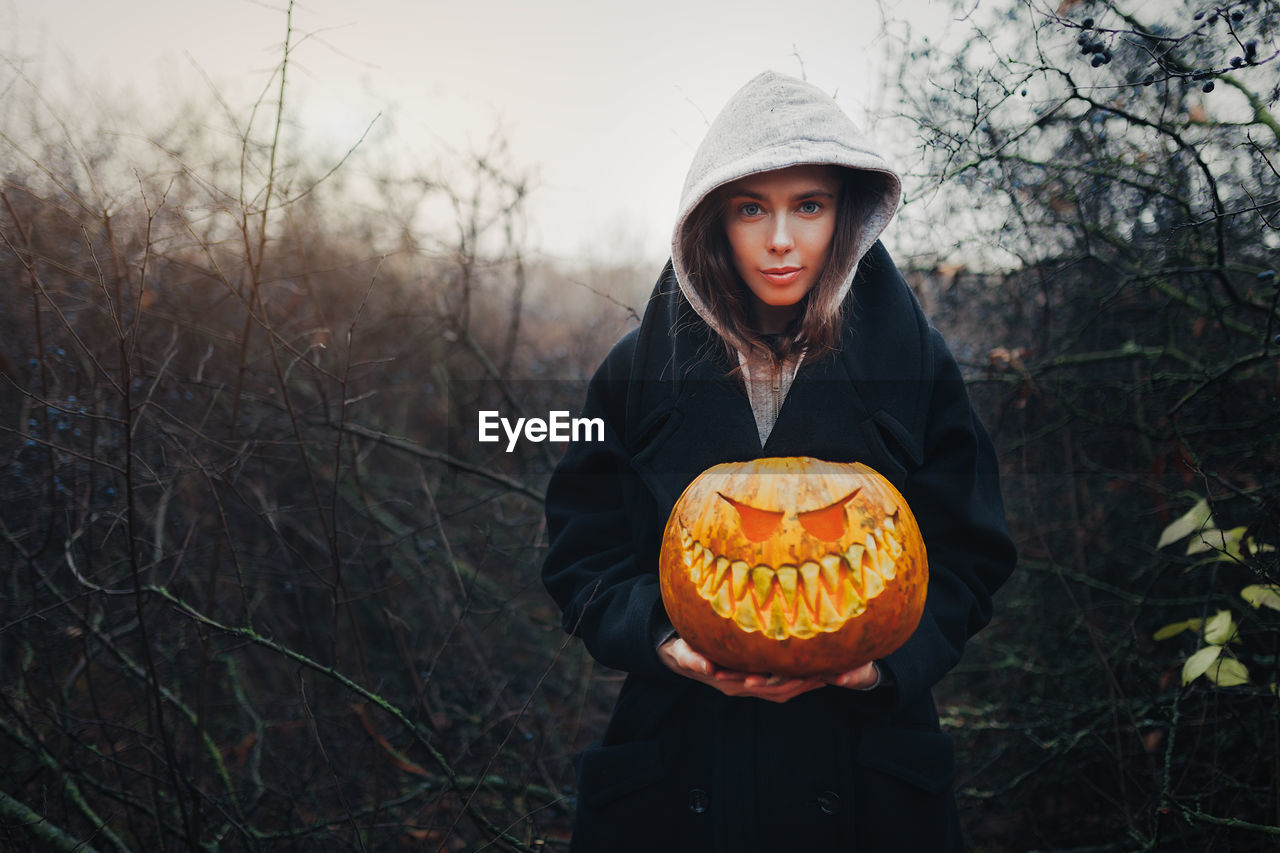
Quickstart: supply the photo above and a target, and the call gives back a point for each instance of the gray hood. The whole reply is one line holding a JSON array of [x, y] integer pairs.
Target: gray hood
[[775, 121]]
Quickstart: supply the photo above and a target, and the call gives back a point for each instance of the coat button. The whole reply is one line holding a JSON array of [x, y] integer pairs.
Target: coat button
[[829, 802], [699, 801]]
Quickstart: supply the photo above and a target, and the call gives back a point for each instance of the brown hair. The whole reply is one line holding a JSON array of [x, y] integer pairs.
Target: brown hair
[[708, 260]]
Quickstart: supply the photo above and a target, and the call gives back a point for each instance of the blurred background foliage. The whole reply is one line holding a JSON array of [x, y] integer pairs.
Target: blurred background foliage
[[262, 588]]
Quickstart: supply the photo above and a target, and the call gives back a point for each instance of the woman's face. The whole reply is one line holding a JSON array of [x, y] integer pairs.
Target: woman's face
[[780, 225]]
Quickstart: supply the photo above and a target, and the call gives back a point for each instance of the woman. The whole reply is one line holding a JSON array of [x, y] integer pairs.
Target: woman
[[780, 328]]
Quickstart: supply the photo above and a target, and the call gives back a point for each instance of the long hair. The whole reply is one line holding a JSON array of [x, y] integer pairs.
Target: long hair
[[708, 258]]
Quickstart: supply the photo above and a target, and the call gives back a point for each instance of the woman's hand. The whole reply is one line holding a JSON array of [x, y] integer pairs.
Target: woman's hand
[[680, 658], [860, 678]]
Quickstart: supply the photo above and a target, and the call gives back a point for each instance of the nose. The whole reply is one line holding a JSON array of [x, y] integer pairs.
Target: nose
[[780, 238]]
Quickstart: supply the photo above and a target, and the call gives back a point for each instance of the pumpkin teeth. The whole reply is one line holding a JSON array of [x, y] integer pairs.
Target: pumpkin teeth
[[787, 577], [740, 570], [891, 541], [722, 603], [707, 587], [851, 602], [746, 616], [809, 571], [831, 573], [872, 582], [762, 584], [721, 570], [873, 553], [803, 629], [829, 618], [778, 619], [793, 601], [879, 562], [853, 559]]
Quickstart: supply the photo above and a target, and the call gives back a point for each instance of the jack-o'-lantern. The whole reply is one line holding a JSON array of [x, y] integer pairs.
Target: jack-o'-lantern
[[793, 566]]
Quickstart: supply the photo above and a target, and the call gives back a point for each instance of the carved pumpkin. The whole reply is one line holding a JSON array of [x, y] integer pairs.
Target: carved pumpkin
[[793, 566]]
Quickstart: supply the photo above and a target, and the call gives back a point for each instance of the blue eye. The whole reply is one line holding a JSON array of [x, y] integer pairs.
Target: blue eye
[[810, 207], [751, 209]]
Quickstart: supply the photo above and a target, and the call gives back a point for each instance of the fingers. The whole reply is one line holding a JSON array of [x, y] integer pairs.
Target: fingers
[[680, 657], [776, 688], [787, 689], [859, 678], [693, 661]]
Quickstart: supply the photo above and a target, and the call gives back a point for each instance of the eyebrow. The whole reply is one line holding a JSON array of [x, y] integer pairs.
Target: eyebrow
[[811, 193]]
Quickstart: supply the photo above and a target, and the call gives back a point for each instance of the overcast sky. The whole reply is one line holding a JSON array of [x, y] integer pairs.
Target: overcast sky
[[604, 103]]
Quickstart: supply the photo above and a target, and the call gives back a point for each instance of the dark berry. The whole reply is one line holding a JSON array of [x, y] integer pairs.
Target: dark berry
[[1237, 16], [1087, 23], [1199, 16], [1236, 61], [1208, 86], [1098, 60], [1148, 80]]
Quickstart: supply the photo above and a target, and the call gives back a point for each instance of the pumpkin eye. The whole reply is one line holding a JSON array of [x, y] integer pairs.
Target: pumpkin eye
[[757, 524], [830, 522]]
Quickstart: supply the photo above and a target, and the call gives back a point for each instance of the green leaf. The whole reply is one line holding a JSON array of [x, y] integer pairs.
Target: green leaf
[[1225, 542], [1221, 629], [1262, 595], [1228, 672], [1173, 629], [1199, 662], [1196, 518]]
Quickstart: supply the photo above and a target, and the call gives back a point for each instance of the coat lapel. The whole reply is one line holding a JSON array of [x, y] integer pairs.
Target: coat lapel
[[820, 415], [709, 422]]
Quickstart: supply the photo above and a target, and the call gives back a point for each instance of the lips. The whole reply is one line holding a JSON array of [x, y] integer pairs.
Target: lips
[[781, 276]]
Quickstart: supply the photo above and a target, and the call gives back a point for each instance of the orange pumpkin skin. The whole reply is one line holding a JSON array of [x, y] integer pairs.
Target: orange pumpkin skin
[[793, 566]]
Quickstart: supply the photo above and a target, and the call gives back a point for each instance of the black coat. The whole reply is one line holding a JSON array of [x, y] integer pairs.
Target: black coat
[[683, 767]]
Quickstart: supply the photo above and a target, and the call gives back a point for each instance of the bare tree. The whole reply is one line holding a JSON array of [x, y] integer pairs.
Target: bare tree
[[1105, 174], [262, 589]]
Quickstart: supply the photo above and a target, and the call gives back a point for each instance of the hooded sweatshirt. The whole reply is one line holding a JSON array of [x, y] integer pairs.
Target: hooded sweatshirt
[[773, 122]]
